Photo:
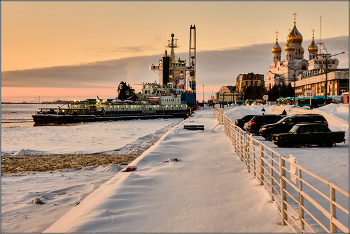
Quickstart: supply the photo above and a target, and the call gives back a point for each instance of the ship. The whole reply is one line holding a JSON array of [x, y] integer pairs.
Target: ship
[[174, 96]]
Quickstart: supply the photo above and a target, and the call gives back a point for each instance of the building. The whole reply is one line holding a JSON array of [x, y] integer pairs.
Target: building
[[295, 68], [226, 94], [245, 80], [337, 82]]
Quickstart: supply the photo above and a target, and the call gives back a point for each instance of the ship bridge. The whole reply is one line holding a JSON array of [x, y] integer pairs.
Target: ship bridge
[[177, 72]]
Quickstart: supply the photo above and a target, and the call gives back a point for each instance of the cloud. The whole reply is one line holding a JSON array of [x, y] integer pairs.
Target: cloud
[[219, 67], [125, 49]]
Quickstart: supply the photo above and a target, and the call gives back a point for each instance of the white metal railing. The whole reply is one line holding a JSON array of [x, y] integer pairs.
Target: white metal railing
[[299, 210]]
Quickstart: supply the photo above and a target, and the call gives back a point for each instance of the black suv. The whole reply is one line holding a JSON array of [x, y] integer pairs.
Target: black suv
[[240, 122], [256, 122], [285, 124]]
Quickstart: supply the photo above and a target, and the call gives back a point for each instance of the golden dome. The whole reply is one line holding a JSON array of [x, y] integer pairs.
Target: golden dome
[[276, 48], [313, 47], [294, 36], [289, 46]]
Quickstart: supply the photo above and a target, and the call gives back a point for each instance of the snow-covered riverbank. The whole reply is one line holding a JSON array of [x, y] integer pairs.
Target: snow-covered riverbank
[[158, 189]]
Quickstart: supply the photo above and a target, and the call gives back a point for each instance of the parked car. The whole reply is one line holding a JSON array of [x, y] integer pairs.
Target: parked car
[[240, 122], [308, 134], [286, 124], [256, 122]]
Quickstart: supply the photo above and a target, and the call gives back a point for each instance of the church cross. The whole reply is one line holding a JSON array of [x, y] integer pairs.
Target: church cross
[[313, 32], [276, 35], [295, 15]]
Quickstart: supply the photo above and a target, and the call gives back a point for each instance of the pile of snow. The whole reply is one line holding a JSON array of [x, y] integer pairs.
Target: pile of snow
[[113, 168], [142, 143], [29, 152]]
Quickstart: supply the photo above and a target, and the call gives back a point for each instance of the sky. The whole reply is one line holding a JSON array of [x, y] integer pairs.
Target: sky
[[71, 50]]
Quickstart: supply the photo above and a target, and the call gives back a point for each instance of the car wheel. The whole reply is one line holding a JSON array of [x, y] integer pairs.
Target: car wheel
[[328, 143], [269, 135]]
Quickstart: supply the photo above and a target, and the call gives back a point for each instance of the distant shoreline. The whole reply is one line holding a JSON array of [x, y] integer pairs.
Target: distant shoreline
[[59, 162], [46, 103]]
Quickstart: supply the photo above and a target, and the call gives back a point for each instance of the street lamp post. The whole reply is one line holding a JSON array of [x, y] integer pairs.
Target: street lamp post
[[203, 95], [327, 57]]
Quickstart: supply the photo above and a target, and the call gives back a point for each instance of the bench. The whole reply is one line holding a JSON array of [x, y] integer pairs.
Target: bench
[[194, 127]]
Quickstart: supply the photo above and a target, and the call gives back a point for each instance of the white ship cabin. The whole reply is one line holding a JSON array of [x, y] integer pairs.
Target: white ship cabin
[[77, 104], [154, 97]]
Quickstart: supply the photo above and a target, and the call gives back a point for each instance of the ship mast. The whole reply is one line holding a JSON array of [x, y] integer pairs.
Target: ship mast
[[172, 44], [192, 58]]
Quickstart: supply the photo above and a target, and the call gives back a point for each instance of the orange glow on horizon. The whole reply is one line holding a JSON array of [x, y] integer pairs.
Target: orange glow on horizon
[[31, 94]]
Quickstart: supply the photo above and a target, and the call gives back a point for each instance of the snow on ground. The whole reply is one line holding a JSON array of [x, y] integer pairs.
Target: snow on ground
[[199, 193], [62, 190], [207, 190], [59, 190], [331, 164], [83, 138], [315, 159]]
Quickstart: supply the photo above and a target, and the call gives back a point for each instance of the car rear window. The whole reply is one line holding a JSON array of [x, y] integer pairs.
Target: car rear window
[[289, 120], [248, 117], [317, 128], [273, 118], [303, 119], [317, 119], [294, 128], [304, 129], [267, 119], [255, 118]]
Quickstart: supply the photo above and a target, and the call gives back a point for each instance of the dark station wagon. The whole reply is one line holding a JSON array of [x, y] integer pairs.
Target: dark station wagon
[[286, 124], [308, 134]]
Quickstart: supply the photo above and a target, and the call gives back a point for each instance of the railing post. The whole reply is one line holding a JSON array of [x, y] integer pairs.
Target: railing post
[[232, 134], [282, 192], [333, 210], [261, 165], [240, 145], [248, 161], [301, 204], [254, 165], [271, 178], [245, 149], [222, 116]]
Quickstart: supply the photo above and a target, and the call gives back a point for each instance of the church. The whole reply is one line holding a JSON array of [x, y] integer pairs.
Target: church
[[294, 66]]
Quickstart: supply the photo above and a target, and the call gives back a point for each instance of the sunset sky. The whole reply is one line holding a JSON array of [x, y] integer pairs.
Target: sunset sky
[[63, 41]]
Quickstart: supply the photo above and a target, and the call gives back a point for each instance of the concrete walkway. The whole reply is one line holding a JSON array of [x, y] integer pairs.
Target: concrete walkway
[[207, 190]]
